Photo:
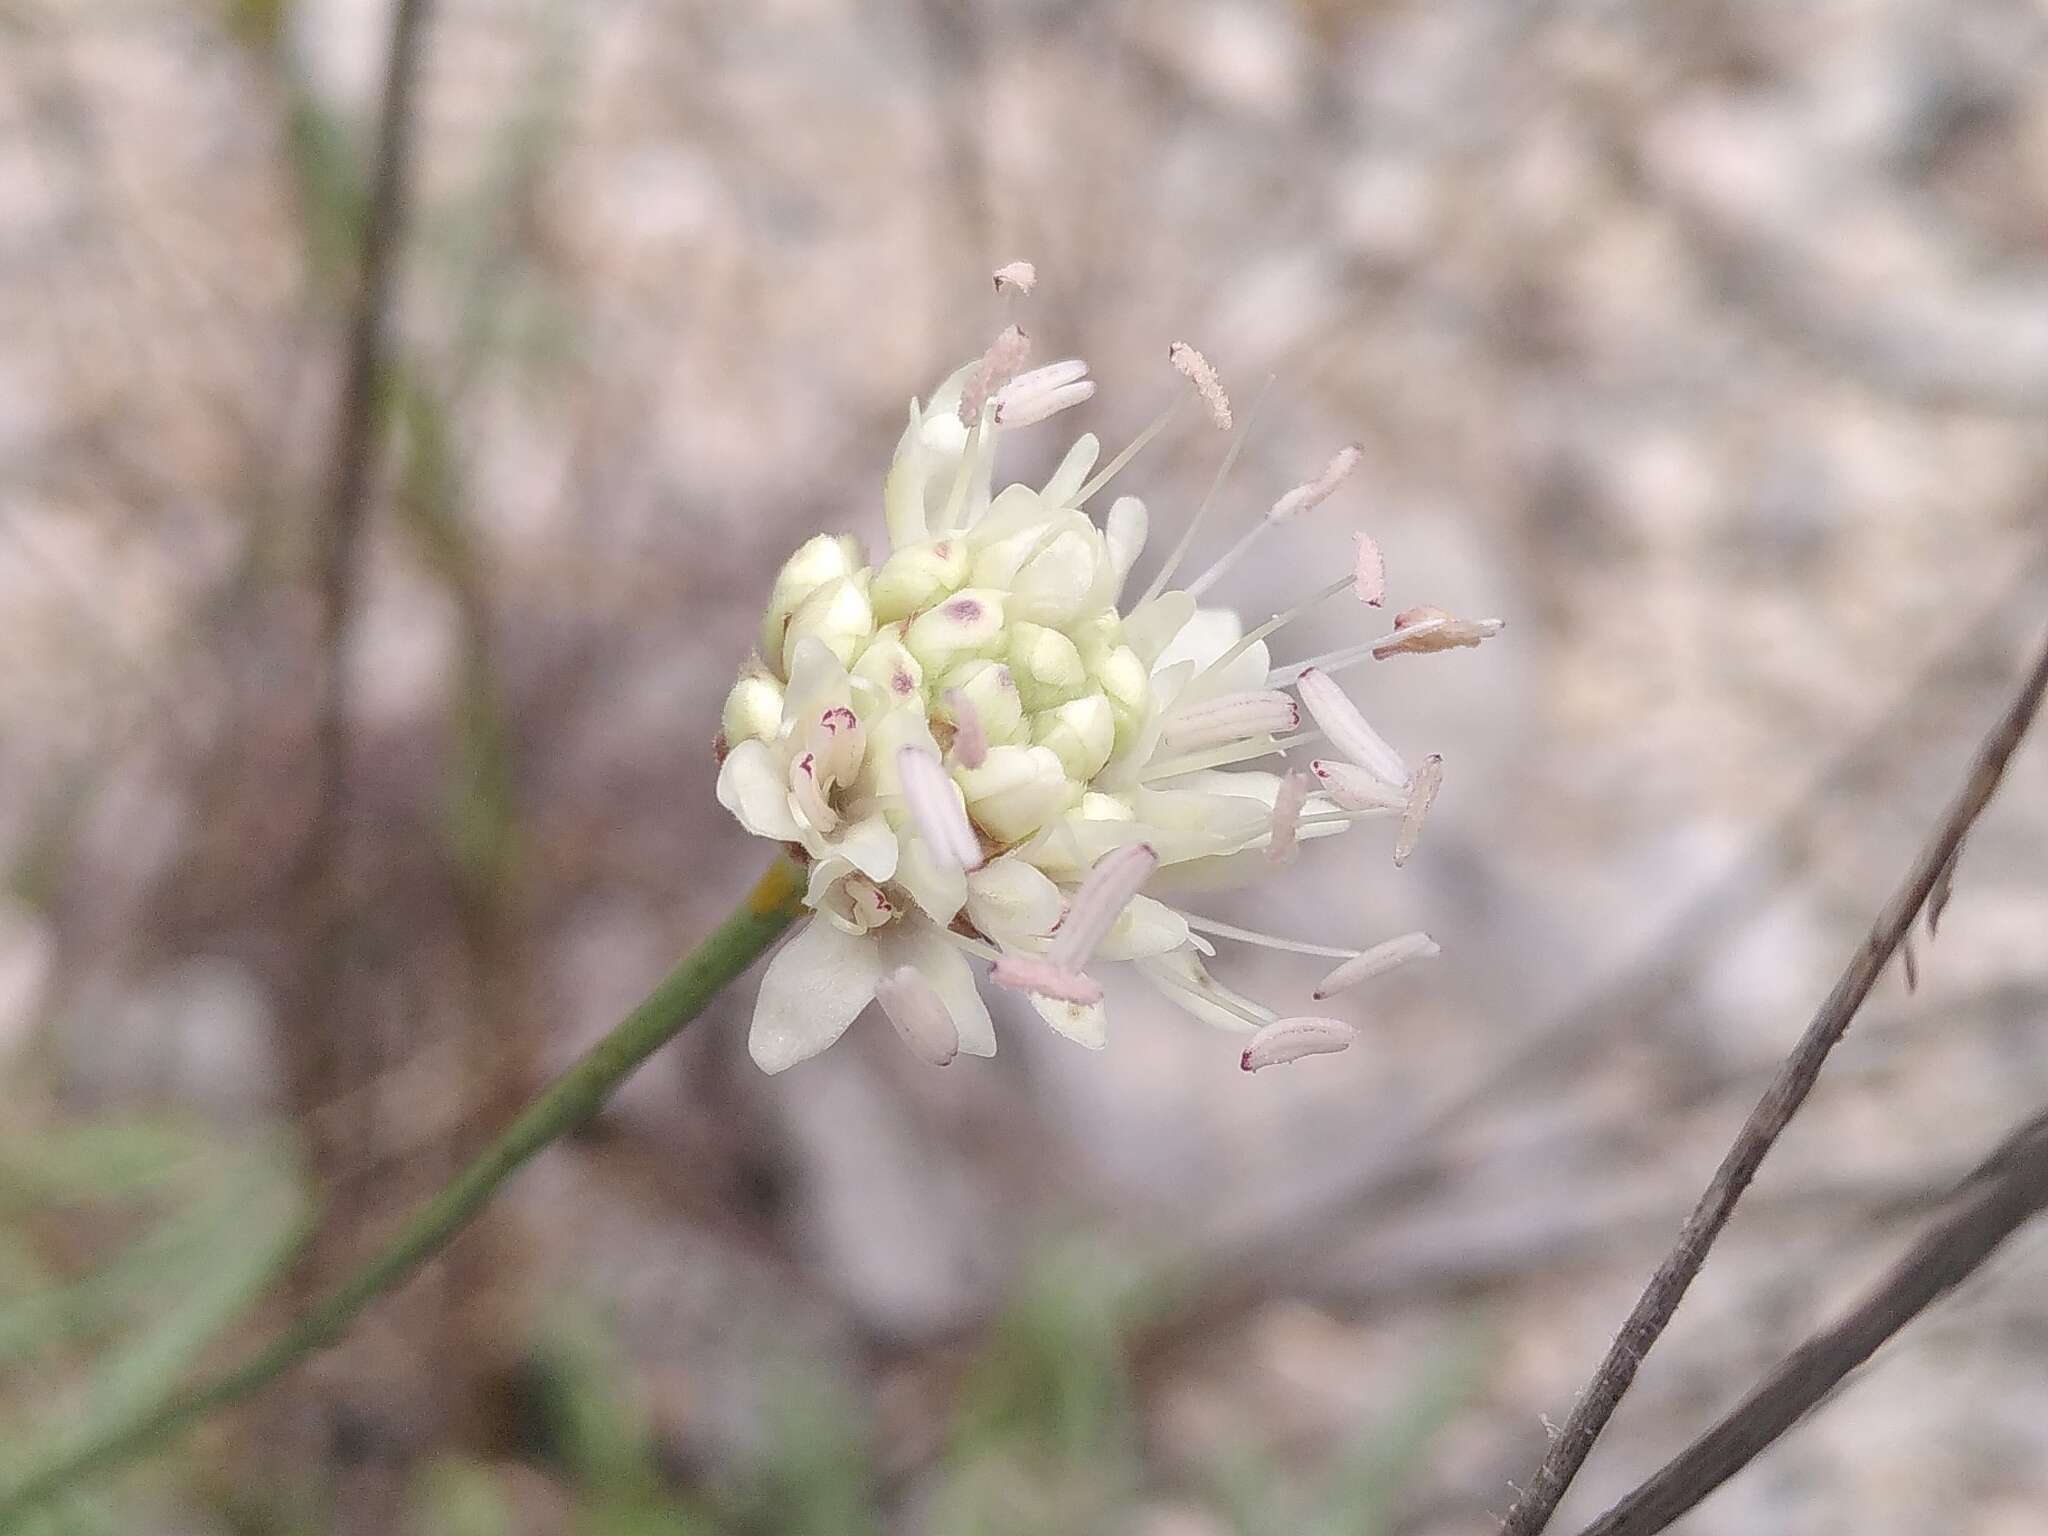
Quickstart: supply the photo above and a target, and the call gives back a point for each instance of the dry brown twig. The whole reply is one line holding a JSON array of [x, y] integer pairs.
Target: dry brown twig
[[1781, 1101], [314, 1039], [2008, 1189]]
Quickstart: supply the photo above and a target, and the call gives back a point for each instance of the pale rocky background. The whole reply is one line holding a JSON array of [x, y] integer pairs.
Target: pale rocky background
[[1708, 345]]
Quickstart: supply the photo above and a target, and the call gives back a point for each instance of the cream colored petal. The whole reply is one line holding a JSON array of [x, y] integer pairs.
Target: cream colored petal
[[903, 488], [1151, 627], [1206, 635], [1073, 471], [939, 890], [754, 787], [817, 682], [1083, 1023], [816, 985], [1145, 927], [1011, 901], [868, 845]]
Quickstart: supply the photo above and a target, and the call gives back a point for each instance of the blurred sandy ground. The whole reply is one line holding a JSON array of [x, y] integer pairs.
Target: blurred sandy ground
[[1708, 345]]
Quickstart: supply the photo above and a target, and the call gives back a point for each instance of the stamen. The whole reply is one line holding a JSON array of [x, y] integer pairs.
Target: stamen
[[1332, 662], [1356, 788], [1229, 717], [1288, 801], [1018, 275], [1347, 729], [1194, 367], [1032, 397], [998, 365], [1100, 902], [1225, 756], [919, 1015], [809, 795], [1410, 637], [1421, 630], [1300, 499], [1428, 778], [1320, 489], [1224, 930], [1048, 978], [1131, 450], [963, 478], [1187, 534], [935, 809], [1369, 573], [1278, 621], [840, 744], [1349, 818], [866, 904], [1288, 1040], [970, 741], [1376, 961], [1210, 991]]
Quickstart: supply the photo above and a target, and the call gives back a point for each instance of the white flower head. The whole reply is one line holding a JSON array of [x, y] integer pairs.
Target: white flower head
[[982, 747]]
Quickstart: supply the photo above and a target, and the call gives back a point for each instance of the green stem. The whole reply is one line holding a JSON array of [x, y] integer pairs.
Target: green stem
[[728, 950]]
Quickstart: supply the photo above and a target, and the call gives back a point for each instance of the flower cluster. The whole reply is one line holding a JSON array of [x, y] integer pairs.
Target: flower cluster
[[981, 747]]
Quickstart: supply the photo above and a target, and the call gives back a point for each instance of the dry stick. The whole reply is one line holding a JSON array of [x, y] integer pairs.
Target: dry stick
[[314, 1038], [1781, 1100], [2006, 1191]]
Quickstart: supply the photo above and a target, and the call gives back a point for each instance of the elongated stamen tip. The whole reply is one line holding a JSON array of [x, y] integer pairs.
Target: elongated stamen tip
[[1100, 902], [1319, 490], [1429, 777], [1288, 801], [998, 365], [935, 809], [1347, 728], [1017, 276], [1230, 717], [1369, 572], [1194, 367], [1287, 1040], [1046, 977], [919, 1014], [1031, 397], [1376, 961], [1421, 630]]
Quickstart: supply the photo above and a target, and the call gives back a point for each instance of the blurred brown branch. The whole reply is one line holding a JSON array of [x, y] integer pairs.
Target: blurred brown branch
[[313, 1035], [1780, 1102], [2005, 1192]]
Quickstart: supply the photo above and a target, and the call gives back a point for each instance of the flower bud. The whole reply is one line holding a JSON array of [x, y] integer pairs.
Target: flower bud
[[1016, 791], [968, 624], [1069, 577], [1096, 637], [837, 613], [1046, 664], [1097, 806], [1081, 732], [753, 710], [816, 562], [1128, 686], [886, 662], [988, 687], [913, 579]]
